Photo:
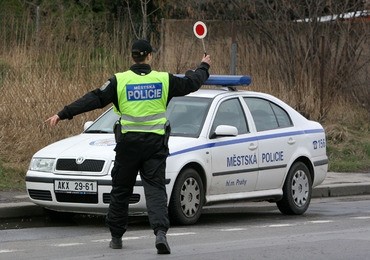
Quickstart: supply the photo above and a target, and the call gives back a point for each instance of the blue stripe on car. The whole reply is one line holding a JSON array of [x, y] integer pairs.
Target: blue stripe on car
[[249, 170], [248, 139]]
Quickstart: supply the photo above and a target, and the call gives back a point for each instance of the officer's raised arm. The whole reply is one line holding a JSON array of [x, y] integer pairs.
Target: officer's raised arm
[[192, 81]]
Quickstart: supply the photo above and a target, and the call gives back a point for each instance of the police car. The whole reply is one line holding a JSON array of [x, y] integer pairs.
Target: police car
[[226, 144]]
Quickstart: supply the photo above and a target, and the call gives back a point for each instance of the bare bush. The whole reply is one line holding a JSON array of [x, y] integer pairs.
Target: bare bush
[[316, 59], [312, 65], [310, 52]]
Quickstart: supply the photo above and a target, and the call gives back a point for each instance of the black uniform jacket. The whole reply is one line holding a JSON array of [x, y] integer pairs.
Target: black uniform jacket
[[107, 94]]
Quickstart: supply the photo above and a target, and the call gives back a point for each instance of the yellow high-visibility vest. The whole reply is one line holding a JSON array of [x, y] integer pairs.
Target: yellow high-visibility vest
[[142, 101]]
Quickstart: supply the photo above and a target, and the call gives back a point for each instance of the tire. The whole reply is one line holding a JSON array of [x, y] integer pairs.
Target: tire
[[187, 198], [297, 190]]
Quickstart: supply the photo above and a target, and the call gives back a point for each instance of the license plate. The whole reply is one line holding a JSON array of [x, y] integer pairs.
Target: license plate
[[75, 186]]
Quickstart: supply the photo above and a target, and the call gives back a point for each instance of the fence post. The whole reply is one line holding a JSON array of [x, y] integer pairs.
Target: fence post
[[322, 75], [37, 24], [234, 49], [161, 44]]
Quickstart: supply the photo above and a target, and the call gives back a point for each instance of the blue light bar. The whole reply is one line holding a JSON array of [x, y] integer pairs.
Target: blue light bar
[[225, 80]]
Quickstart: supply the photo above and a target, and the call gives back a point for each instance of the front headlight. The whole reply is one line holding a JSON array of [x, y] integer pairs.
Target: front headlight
[[42, 164]]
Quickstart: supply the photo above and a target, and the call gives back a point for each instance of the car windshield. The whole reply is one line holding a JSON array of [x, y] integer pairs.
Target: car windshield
[[104, 124], [186, 116]]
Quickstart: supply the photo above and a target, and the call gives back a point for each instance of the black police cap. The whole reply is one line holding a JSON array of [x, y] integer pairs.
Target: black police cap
[[141, 48]]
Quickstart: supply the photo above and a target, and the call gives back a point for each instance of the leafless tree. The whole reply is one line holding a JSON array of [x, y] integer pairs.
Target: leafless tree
[[143, 30]]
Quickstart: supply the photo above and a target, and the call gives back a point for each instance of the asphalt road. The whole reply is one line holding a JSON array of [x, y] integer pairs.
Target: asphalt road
[[332, 228]]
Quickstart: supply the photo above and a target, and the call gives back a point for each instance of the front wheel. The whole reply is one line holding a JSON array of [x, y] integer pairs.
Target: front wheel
[[187, 198], [297, 190]]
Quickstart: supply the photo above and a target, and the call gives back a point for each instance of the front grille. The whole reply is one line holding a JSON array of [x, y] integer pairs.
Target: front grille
[[40, 195], [77, 198], [135, 198], [87, 165]]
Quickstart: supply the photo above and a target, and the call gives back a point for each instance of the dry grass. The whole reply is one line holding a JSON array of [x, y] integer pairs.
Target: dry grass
[[40, 76]]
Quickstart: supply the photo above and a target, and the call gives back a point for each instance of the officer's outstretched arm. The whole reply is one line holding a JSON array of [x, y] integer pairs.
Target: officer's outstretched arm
[[53, 120]]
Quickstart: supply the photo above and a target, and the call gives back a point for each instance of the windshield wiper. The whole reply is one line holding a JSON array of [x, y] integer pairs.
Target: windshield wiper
[[97, 132]]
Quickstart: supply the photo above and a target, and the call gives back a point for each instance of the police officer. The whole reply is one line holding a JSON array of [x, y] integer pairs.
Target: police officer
[[140, 96]]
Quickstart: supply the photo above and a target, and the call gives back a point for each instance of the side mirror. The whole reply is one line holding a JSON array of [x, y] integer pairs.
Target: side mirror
[[225, 130], [88, 124]]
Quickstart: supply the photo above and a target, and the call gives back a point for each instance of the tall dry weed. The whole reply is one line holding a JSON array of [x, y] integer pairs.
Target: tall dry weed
[[42, 75], [66, 58]]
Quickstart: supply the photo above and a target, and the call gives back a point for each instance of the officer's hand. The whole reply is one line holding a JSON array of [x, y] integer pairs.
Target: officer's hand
[[53, 121], [207, 59]]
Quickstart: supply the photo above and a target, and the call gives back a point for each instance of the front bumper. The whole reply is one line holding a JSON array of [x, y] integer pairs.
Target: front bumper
[[40, 188]]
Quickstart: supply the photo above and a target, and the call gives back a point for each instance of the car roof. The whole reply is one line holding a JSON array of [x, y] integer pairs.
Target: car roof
[[222, 91], [209, 93]]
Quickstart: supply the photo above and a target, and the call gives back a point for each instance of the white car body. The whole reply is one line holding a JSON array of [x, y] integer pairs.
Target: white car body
[[232, 166]]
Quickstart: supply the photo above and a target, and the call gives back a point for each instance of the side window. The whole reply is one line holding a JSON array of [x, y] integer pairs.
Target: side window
[[282, 116], [267, 115], [230, 112]]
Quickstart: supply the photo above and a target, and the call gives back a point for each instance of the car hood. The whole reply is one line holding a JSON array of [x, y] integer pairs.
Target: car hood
[[85, 145], [102, 146]]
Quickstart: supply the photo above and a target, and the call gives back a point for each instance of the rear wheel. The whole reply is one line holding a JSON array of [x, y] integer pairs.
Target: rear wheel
[[297, 190], [187, 198]]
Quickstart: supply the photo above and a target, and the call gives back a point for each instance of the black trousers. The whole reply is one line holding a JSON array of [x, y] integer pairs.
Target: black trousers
[[145, 153]]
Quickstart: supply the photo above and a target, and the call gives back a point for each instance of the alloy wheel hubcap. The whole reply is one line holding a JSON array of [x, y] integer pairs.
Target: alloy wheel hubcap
[[190, 197], [300, 188]]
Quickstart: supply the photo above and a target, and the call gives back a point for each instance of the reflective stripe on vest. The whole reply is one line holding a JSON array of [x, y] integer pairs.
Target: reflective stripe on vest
[[142, 101], [143, 118], [142, 128]]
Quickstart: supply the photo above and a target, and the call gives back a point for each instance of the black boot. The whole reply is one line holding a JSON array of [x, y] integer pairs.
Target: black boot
[[161, 243], [116, 243]]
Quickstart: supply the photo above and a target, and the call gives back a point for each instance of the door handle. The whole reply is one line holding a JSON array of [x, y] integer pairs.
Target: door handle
[[291, 141], [252, 146]]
